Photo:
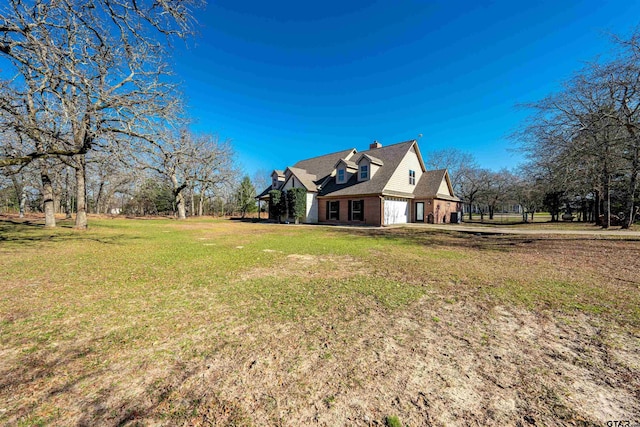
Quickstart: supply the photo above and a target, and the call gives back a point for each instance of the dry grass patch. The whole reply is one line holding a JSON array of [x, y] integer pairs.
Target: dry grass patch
[[138, 322], [309, 266]]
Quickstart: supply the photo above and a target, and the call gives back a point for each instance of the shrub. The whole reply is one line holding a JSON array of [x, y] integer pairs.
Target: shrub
[[278, 203], [297, 203]]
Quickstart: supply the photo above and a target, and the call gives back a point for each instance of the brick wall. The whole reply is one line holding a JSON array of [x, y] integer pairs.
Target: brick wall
[[440, 209], [372, 211]]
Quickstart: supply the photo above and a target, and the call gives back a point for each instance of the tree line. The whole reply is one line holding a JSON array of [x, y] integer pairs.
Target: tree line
[[582, 146], [90, 111], [485, 192], [583, 142], [92, 120]]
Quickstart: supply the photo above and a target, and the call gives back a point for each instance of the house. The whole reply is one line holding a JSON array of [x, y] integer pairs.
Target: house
[[381, 186]]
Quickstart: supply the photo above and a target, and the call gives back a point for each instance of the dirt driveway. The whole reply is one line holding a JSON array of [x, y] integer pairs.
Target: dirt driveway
[[482, 229]]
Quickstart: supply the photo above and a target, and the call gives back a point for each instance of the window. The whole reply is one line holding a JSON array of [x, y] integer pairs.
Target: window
[[340, 176], [333, 210], [412, 177], [274, 182], [364, 171], [356, 208], [419, 211]]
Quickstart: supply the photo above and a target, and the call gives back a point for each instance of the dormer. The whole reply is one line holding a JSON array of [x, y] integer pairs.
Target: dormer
[[367, 167], [277, 179], [344, 169]]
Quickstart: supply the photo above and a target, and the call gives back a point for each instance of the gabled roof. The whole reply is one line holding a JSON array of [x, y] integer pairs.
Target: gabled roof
[[265, 193], [322, 166], [374, 160], [278, 172], [429, 185], [391, 156], [315, 174], [349, 164], [305, 178]]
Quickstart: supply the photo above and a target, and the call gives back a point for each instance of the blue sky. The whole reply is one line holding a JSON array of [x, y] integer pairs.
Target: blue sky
[[289, 80]]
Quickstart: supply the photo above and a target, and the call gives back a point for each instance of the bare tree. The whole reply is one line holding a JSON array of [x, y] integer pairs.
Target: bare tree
[[452, 159], [212, 167], [88, 74], [496, 188], [472, 184], [588, 134], [188, 159]]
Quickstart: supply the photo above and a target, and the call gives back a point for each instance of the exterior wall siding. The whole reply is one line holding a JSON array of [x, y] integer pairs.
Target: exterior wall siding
[[372, 211], [312, 208], [291, 183], [444, 188], [364, 161], [436, 211], [399, 181]]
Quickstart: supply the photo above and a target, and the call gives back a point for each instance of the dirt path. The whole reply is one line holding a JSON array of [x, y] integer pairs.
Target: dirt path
[[535, 231]]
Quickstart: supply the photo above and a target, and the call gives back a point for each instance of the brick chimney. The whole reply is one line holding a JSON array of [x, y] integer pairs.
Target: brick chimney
[[374, 145]]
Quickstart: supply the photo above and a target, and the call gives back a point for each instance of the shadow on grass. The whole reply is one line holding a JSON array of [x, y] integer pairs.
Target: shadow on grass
[[252, 220], [31, 233], [489, 240], [42, 380]]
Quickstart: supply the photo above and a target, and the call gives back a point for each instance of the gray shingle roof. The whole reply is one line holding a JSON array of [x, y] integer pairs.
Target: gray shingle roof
[[315, 171], [391, 156], [372, 159], [349, 163], [429, 184], [322, 166], [264, 193], [308, 180]]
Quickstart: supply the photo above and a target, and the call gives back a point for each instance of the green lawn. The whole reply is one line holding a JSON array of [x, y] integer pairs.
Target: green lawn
[[152, 320]]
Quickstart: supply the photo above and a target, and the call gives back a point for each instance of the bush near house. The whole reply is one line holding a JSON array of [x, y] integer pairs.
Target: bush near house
[[297, 203], [278, 203]]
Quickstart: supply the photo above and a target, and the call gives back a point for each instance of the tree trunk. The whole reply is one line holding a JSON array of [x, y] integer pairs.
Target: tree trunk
[[23, 202], [179, 197], [180, 206], [607, 202], [99, 197], [81, 192], [67, 208], [193, 203], [21, 195], [47, 197], [633, 187], [201, 204], [596, 208]]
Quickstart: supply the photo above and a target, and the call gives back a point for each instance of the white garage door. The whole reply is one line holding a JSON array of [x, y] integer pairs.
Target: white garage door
[[396, 211]]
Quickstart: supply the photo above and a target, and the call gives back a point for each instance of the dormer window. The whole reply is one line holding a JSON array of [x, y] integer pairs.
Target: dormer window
[[364, 172], [412, 177], [341, 175]]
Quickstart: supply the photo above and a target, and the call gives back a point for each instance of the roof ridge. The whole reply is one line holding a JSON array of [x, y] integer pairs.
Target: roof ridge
[[373, 150], [328, 154]]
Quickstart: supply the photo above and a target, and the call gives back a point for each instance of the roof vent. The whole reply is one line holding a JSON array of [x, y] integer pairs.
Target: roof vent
[[374, 145]]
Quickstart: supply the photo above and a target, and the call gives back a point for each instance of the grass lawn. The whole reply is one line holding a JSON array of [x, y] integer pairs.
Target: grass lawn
[[209, 322]]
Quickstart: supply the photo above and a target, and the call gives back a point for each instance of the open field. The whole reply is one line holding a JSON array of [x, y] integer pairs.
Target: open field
[[159, 322], [506, 218]]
